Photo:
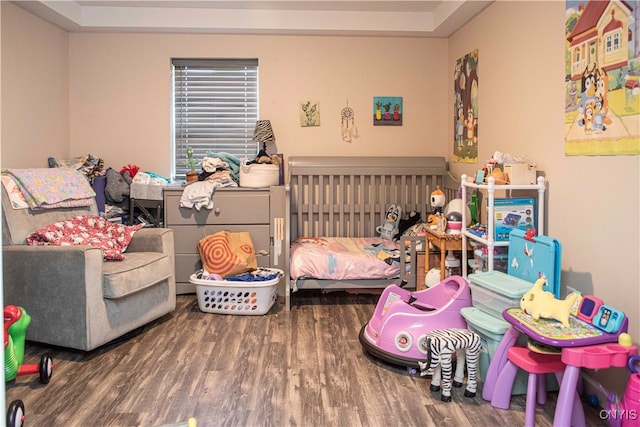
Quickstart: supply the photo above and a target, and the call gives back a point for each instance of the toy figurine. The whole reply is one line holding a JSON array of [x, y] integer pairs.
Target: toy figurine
[[391, 223], [437, 200], [440, 345], [437, 204], [539, 303], [192, 175]]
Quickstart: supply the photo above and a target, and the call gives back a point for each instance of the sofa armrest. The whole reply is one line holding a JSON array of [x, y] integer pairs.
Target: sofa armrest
[[59, 283], [152, 240]]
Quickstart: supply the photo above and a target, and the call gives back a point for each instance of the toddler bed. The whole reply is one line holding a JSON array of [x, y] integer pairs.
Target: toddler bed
[[335, 205]]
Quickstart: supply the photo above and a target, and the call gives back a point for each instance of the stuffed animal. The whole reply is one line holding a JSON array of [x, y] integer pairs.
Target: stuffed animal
[[440, 345], [389, 227], [412, 219], [117, 188], [539, 303]]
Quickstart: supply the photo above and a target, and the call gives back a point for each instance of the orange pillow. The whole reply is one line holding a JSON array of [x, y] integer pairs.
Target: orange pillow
[[227, 254]]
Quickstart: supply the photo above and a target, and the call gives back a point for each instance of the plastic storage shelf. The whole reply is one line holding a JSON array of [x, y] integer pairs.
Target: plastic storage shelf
[[490, 241]]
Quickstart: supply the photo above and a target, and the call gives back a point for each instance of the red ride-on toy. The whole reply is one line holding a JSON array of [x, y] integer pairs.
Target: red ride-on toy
[[16, 322]]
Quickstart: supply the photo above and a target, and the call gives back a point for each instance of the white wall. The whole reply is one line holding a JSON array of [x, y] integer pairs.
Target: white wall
[[593, 202]]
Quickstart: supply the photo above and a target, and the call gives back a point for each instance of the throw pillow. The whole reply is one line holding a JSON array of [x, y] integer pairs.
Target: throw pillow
[[227, 254]]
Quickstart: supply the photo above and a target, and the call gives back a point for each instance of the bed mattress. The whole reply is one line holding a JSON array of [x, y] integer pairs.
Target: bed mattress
[[344, 258]]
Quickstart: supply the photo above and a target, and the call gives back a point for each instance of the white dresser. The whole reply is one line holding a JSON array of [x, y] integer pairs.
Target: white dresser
[[257, 210]]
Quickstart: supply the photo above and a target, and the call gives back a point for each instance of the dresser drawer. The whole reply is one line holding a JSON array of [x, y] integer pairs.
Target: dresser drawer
[[186, 237], [229, 207]]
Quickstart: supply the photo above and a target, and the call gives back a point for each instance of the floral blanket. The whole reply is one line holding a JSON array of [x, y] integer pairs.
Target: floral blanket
[[344, 258], [89, 230], [47, 188]]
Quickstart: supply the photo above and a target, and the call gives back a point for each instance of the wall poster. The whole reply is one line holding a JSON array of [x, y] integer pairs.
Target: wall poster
[[602, 79], [309, 113], [387, 111], [465, 109]]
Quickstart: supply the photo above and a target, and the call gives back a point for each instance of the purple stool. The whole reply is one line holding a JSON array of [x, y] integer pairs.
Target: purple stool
[[536, 364]]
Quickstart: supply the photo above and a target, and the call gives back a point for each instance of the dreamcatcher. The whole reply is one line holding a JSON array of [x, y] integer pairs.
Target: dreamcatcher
[[349, 129]]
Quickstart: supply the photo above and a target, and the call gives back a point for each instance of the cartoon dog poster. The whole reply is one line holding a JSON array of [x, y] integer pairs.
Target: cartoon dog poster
[[465, 109], [602, 83]]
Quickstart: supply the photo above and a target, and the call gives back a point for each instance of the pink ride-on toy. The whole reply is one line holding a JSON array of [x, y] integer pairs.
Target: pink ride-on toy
[[397, 330]]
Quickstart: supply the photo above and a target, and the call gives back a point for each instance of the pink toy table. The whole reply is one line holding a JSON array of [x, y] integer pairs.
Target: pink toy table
[[583, 346]]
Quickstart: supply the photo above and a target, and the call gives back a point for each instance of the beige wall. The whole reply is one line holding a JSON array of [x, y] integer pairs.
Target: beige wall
[[120, 94], [593, 202], [35, 86], [117, 107]]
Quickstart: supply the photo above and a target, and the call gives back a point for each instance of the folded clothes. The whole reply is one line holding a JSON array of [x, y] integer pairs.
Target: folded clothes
[[259, 275], [211, 164], [232, 161]]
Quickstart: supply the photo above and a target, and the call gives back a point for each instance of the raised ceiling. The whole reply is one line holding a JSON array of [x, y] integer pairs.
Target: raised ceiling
[[304, 17]]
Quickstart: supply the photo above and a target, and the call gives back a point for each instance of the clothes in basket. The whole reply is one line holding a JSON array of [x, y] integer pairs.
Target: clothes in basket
[[251, 293]]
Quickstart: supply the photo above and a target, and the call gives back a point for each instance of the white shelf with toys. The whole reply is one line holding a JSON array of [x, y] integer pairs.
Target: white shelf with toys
[[488, 238]]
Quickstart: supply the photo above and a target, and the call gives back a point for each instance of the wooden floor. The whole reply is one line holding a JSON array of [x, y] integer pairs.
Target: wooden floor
[[302, 368]]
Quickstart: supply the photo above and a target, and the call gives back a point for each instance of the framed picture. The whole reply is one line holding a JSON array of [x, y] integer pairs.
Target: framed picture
[[387, 111], [309, 113]]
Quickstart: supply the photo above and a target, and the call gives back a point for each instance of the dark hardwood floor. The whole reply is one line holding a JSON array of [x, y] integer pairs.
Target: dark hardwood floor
[[302, 368]]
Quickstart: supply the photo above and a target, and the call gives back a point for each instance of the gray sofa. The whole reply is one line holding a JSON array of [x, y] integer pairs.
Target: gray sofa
[[74, 298]]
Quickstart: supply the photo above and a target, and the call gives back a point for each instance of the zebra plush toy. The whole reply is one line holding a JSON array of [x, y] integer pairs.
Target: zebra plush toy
[[440, 345]]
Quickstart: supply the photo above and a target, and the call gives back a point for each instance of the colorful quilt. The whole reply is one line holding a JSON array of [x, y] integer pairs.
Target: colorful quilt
[[343, 258], [44, 188], [88, 230]]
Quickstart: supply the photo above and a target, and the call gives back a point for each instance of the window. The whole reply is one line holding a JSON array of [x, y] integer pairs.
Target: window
[[215, 108], [612, 42]]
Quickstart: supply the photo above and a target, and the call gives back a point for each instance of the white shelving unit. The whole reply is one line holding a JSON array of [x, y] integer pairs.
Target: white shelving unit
[[491, 188]]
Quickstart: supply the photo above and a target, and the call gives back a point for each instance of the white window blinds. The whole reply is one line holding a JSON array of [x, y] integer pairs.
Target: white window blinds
[[215, 108]]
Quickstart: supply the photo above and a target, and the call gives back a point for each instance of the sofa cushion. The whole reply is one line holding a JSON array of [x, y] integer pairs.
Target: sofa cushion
[[138, 271]]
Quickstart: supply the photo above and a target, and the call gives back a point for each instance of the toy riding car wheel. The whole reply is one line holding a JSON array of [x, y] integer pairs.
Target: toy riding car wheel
[[15, 414], [46, 368]]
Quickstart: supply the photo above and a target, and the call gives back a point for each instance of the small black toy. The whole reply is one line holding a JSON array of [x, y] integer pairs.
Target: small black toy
[[412, 219]]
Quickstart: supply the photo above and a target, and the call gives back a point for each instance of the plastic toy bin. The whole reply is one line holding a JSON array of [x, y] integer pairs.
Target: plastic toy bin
[[491, 331], [236, 297], [494, 291]]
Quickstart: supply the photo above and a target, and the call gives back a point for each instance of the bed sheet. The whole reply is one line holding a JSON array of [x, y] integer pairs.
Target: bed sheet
[[344, 258]]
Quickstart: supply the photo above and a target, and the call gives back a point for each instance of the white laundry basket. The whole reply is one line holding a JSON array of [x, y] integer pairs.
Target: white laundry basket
[[231, 297]]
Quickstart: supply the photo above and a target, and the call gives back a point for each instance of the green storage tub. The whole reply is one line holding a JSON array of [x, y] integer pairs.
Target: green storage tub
[[491, 331]]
